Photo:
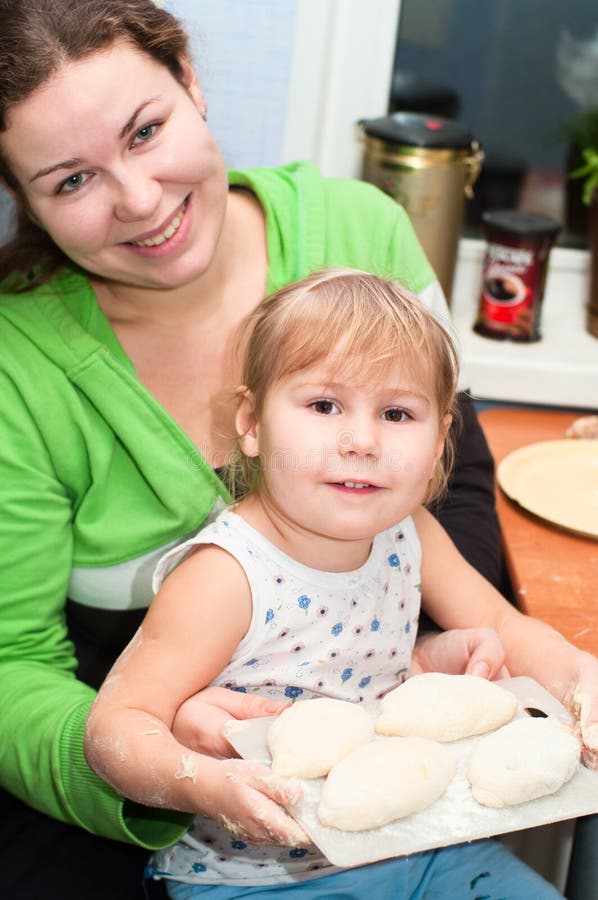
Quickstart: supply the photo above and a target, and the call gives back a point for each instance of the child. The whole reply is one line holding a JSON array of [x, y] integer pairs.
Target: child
[[309, 586]]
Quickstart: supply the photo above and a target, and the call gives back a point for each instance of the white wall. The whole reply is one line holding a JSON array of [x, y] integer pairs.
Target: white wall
[[341, 73], [289, 79], [242, 52]]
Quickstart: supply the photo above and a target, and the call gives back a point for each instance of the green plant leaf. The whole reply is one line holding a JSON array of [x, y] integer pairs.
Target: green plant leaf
[[588, 171]]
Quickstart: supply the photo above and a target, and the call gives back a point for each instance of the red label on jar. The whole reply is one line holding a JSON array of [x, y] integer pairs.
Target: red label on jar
[[514, 274], [511, 292]]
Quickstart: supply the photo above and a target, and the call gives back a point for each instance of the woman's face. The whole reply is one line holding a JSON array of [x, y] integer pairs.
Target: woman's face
[[117, 164]]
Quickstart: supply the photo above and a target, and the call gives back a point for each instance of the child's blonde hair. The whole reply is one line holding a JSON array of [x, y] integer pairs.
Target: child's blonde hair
[[364, 323]]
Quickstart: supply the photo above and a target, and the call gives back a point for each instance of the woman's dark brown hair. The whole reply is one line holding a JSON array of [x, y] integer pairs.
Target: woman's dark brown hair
[[37, 37]]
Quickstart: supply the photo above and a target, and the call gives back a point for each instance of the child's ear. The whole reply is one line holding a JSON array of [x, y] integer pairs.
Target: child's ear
[[245, 423], [445, 424]]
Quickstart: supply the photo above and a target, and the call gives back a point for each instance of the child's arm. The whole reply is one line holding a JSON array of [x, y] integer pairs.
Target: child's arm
[[469, 651], [192, 628], [456, 596]]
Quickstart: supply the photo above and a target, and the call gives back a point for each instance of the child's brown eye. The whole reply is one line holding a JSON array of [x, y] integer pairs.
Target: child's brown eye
[[324, 407], [395, 415]]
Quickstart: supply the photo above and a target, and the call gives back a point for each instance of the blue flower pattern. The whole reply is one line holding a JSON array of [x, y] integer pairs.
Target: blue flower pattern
[[304, 601], [292, 692]]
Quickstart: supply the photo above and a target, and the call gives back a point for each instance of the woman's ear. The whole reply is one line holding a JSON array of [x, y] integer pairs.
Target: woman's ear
[[246, 424], [190, 82]]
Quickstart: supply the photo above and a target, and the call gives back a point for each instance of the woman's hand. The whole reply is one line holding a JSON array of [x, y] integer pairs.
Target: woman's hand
[[244, 797], [469, 651], [199, 720], [583, 704]]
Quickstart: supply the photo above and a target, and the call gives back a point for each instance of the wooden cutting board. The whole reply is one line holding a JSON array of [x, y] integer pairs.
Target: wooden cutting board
[[454, 818]]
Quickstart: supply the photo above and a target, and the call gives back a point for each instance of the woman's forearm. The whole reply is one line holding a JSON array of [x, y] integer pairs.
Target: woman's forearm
[[136, 753]]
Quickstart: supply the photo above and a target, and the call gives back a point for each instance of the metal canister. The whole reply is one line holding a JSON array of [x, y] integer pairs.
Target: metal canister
[[429, 165]]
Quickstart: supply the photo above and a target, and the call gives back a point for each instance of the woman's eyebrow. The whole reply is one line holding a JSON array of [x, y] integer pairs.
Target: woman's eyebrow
[[130, 125], [76, 161]]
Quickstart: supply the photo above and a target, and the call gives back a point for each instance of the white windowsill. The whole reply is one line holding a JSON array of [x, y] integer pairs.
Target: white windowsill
[[559, 370]]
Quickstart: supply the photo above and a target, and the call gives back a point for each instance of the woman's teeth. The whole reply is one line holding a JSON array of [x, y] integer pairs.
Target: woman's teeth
[[164, 235], [355, 484]]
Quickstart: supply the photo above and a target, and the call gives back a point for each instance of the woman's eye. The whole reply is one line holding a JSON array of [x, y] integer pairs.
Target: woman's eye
[[395, 415], [72, 183], [325, 407], [144, 134]]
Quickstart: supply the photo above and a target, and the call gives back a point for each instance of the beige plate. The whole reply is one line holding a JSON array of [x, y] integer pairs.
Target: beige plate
[[454, 818], [556, 480]]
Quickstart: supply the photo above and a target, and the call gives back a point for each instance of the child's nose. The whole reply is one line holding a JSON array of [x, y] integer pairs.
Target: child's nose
[[359, 437]]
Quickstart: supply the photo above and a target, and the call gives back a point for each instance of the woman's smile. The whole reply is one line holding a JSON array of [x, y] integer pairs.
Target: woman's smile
[[158, 242]]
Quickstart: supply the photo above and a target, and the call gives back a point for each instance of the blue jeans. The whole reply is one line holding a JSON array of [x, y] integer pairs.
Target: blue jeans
[[481, 870]]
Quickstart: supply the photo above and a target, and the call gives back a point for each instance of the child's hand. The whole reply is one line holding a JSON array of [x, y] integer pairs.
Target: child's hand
[[199, 720], [469, 651], [244, 796]]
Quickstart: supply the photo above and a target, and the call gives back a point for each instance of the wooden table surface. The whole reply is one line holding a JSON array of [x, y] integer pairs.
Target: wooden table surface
[[554, 573]]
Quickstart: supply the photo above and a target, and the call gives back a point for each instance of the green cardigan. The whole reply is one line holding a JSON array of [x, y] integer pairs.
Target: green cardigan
[[94, 472]]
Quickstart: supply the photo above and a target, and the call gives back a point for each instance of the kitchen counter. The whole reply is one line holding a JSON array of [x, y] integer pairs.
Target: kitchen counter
[[554, 572], [559, 370]]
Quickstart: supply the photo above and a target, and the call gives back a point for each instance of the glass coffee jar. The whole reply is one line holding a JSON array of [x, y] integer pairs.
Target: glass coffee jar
[[514, 274]]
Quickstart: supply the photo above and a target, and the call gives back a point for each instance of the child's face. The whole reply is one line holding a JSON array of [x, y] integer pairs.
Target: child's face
[[345, 459]]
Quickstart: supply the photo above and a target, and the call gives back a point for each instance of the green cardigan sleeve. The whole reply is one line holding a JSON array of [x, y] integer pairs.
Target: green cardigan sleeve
[[43, 707]]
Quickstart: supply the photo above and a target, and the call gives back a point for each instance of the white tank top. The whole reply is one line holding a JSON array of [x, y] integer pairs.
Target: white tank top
[[347, 635]]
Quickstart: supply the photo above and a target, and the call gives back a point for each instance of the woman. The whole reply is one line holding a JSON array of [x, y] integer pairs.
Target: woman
[[134, 262]]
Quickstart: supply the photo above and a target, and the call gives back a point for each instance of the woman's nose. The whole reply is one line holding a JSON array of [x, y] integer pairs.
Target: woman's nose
[[137, 196]]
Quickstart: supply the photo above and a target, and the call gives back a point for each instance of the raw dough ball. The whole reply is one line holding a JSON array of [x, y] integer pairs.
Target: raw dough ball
[[385, 780], [307, 739], [525, 759], [445, 707]]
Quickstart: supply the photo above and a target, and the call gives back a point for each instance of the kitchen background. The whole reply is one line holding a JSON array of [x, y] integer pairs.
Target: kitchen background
[[289, 79]]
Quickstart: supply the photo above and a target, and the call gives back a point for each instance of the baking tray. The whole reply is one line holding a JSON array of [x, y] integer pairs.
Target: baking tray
[[454, 818]]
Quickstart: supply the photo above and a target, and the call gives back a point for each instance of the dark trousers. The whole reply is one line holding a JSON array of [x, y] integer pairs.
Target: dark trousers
[[42, 858]]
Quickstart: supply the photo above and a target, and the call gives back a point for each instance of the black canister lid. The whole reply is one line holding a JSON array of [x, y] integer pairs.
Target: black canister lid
[[419, 130], [514, 221]]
